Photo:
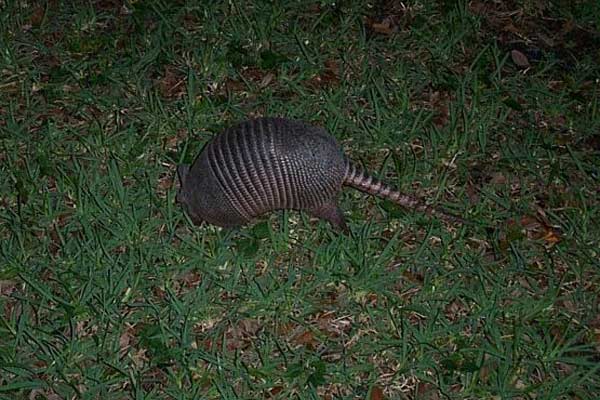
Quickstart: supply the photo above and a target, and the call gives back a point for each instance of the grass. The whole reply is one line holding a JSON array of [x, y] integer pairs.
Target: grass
[[107, 290]]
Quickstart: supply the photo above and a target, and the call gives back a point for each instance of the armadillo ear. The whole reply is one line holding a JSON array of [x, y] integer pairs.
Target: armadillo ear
[[182, 171]]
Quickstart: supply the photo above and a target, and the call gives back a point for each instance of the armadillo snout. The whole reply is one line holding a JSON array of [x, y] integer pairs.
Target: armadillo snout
[[182, 199]]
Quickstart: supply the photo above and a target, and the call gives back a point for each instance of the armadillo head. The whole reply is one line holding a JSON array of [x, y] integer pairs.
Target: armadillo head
[[183, 196]]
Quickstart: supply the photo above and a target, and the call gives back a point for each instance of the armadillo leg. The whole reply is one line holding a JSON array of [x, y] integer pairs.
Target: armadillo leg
[[332, 213]]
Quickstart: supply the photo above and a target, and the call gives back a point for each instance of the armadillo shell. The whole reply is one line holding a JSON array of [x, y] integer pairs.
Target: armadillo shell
[[263, 165]]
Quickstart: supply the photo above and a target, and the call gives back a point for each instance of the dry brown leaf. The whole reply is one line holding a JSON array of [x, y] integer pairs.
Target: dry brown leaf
[[172, 84], [546, 40], [376, 393], [287, 328], [568, 26], [383, 27], [190, 21], [595, 323], [140, 357], [498, 178], [275, 390], [477, 7], [190, 279], [7, 287], [509, 27], [238, 335], [558, 334], [164, 183], [159, 292], [530, 223], [531, 228], [232, 85], [484, 373], [250, 326], [47, 394], [441, 118], [519, 59], [536, 230], [439, 102], [37, 16], [472, 193], [266, 80], [414, 277], [329, 77], [455, 310], [125, 340], [107, 5], [254, 74], [596, 338], [426, 390], [306, 338], [372, 299], [457, 388], [551, 236]]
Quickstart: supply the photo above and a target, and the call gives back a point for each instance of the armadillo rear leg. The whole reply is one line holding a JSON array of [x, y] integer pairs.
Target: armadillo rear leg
[[332, 213]]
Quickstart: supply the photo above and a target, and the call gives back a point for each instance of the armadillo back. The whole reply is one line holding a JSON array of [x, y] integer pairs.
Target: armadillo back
[[262, 165]]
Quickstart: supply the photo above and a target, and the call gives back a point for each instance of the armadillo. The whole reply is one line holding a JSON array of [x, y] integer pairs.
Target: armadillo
[[268, 164]]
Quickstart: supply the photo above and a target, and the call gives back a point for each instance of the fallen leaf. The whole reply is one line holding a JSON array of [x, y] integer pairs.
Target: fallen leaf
[[519, 59], [47, 394], [253, 74], [307, 339], [472, 193], [190, 279], [125, 341], [164, 183], [568, 26], [440, 104], [231, 85], [455, 310], [479, 7], [529, 223], [546, 40], [327, 78], [250, 326], [275, 390], [383, 27], [426, 390], [551, 236], [529, 227], [287, 328], [240, 334], [172, 84], [7, 287], [511, 28], [498, 178], [266, 80], [413, 277], [386, 26], [376, 393], [557, 333], [37, 16], [106, 5]]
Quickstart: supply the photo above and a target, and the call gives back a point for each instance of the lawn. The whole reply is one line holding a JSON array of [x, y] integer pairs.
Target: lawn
[[488, 109]]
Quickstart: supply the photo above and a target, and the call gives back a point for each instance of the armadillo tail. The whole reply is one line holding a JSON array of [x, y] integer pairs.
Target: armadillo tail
[[358, 178]]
